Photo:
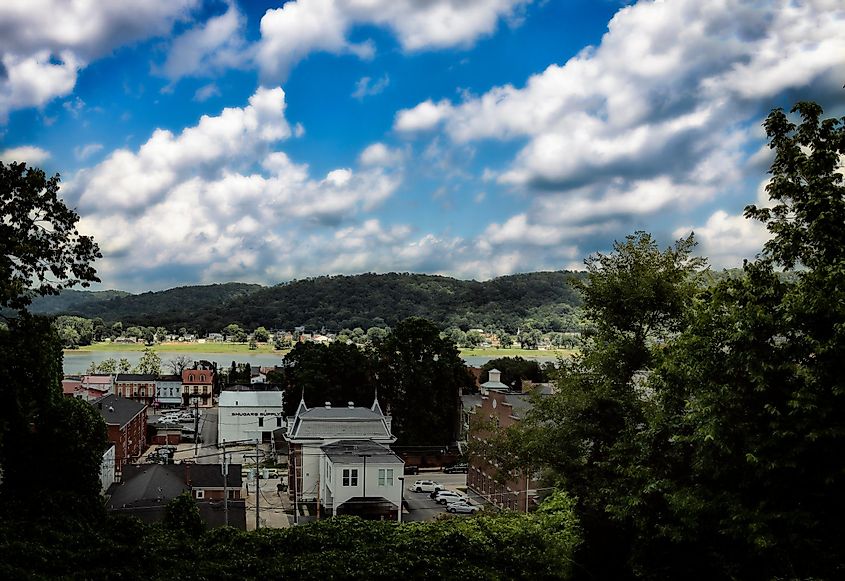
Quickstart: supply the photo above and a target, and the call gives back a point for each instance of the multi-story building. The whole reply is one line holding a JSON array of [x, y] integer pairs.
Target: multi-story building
[[126, 424], [168, 392], [246, 414], [499, 408], [198, 387], [140, 387], [339, 458]]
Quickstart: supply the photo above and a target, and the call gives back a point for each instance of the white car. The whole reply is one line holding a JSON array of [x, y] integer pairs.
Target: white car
[[426, 486], [462, 506], [448, 497]]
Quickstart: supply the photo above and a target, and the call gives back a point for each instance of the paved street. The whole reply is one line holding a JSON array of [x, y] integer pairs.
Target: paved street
[[208, 426]]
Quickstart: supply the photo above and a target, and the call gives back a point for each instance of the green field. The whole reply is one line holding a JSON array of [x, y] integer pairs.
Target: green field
[[182, 348], [525, 353]]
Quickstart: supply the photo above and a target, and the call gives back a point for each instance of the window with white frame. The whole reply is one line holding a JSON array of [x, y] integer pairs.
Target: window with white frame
[[385, 476], [350, 477], [200, 494]]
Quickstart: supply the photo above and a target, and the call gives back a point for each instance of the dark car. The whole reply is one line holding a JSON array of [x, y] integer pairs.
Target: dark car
[[460, 468], [411, 469]]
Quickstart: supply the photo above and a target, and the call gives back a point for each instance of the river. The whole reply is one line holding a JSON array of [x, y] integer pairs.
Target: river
[[79, 361]]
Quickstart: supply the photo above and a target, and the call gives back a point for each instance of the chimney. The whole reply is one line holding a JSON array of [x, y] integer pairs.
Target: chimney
[[495, 375], [328, 405], [351, 404]]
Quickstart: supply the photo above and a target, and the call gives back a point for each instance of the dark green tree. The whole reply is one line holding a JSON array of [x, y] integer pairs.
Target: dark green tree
[[37, 422], [636, 297], [41, 251], [420, 376], [734, 475], [261, 335], [514, 371], [183, 516], [335, 372]]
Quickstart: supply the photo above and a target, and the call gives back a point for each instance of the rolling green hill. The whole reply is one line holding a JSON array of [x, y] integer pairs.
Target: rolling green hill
[[336, 302]]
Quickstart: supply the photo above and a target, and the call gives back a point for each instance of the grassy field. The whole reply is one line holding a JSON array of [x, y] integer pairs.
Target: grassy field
[[525, 353], [183, 348]]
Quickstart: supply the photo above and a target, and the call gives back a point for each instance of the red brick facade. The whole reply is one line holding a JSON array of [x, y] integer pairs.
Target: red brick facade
[[198, 385], [496, 413]]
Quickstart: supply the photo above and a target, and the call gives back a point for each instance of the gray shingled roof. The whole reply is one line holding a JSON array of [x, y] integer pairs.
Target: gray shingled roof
[[117, 410], [147, 484], [349, 452], [339, 422]]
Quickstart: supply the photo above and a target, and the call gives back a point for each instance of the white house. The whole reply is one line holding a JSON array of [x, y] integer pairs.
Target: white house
[[314, 457], [243, 414], [360, 477]]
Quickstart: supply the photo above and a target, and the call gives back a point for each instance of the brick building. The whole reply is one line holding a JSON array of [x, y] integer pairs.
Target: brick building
[[126, 423], [140, 387], [499, 408], [198, 385]]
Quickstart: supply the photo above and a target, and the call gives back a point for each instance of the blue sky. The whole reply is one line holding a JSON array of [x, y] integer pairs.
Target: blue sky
[[207, 142]]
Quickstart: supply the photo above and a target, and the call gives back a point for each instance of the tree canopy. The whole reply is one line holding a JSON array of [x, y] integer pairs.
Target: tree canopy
[[697, 425], [41, 251]]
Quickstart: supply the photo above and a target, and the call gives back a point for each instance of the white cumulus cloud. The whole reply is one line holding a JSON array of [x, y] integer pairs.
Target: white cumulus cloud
[[300, 27], [28, 154], [44, 43]]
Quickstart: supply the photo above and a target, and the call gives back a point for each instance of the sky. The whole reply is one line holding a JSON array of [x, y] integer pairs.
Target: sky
[[206, 142]]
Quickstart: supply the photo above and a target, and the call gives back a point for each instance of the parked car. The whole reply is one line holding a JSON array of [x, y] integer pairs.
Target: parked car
[[412, 469], [460, 468], [426, 486], [462, 506], [447, 496]]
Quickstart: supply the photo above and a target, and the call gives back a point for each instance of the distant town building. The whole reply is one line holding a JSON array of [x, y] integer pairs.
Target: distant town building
[[145, 490], [340, 457], [498, 408], [126, 424], [140, 387], [245, 415], [168, 392], [198, 386]]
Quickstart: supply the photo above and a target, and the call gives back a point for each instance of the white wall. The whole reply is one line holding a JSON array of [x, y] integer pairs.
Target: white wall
[[341, 493], [241, 423], [107, 469]]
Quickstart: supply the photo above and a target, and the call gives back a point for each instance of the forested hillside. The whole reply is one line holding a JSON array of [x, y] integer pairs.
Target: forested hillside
[[172, 307], [546, 299]]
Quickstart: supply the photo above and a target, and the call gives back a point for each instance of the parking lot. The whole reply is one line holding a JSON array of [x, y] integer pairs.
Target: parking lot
[[420, 505]]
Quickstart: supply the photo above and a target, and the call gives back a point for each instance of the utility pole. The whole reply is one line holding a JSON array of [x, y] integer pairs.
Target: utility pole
[[295, 491], [196, 425], [257, 483], [225, 487]]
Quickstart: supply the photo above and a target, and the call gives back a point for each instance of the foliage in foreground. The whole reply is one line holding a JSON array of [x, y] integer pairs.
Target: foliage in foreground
[[500, 546], [700, 430]]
